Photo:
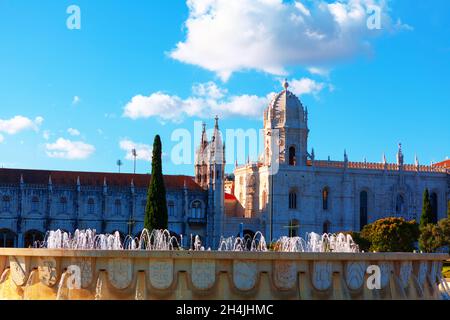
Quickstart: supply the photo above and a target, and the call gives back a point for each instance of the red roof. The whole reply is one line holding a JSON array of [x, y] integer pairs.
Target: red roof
[[12, 176], [443, 164], [230, 196]]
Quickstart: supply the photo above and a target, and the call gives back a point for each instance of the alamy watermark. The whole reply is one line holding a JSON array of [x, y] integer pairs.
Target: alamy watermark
[[73, 21]]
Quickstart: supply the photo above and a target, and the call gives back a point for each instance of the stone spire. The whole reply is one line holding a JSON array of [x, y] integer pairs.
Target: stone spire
[[217, 148], [400, 155]]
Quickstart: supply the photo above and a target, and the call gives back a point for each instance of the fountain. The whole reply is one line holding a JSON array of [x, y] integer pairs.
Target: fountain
[[156, 265]]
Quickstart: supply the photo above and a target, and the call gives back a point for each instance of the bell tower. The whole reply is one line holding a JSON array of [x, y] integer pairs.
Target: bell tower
[[286, 121]]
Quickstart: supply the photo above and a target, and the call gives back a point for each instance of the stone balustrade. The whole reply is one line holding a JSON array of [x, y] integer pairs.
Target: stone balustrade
[[75, 275]]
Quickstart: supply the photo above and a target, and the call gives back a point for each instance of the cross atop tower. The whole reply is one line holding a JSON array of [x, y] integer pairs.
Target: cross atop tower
[[217, 122], [285, 84]]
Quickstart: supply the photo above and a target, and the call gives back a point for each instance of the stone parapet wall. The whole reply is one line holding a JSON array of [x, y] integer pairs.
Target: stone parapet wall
[[52, 274]]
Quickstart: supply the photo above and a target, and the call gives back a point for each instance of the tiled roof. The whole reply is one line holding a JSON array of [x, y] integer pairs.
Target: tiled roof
[[12, 176], [443, 164]]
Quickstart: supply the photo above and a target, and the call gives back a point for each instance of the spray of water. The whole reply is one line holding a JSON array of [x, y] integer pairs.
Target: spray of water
[[162, 240]]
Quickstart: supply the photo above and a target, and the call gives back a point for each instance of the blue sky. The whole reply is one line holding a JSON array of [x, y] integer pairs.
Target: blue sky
[[64, 93]]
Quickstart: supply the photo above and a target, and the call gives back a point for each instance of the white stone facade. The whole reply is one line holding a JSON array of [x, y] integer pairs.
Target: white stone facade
[[326, 196]]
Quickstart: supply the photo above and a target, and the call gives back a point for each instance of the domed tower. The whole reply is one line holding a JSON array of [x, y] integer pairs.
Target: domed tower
[[286, 118]]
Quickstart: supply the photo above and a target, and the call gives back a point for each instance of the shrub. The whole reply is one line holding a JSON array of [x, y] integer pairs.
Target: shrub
[[391, 235], [434, 236]]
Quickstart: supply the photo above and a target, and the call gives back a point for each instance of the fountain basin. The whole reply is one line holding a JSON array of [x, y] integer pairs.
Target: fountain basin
[[94, 274]]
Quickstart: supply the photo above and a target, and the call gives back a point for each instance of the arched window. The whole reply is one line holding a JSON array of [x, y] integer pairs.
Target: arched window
[[91, 206], [117, 207], [6, 203], [434, 207], [326, 227], [400, 204], [171, 208], [63, 205], [32, 238], [325, 198], [293, 228], [292, 200], [7, 238], [196, 210], [292, 158], [35, 204], [363, 208]]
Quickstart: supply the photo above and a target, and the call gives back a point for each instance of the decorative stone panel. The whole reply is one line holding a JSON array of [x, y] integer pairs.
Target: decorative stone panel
[[120, 272], [161, 274], [48, 271], [85, 266], [322, 274], [244, 274], [203, 274], [285, 274], [355, 274]]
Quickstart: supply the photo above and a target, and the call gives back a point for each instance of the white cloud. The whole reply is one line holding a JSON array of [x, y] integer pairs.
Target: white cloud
[[319, 71], [226, 36], [306, 86], [1, 138], [71, 150], [73, 132], [208, 100], [143, 151], [18, 124], [76, 100]]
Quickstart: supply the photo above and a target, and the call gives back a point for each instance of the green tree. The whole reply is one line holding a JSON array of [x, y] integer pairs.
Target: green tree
[[427, 211], [448, 209], [435, 236], [391, 235], [156, 216]]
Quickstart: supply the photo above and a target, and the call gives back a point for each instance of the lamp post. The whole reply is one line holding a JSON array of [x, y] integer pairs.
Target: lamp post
[[134, 153], [131, 222], [119, 164]]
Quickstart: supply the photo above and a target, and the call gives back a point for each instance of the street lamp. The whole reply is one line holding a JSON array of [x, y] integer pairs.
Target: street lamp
[[119, 164], [134, 153], [131, 222]]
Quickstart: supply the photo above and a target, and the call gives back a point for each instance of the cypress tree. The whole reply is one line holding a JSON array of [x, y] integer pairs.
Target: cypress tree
[[156, 216], [448, 209], [427, 211]]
